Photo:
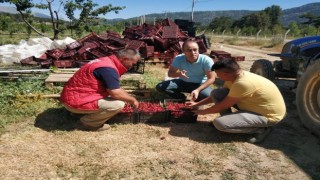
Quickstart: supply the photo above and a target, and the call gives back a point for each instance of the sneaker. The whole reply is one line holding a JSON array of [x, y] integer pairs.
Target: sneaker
[[261, 136], [83, 127]]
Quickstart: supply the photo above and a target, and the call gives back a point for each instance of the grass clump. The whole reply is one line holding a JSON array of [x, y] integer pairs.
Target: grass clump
[[21, 99]]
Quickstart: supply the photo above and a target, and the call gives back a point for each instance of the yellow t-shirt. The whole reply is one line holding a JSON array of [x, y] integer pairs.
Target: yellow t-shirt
[[258, 95]]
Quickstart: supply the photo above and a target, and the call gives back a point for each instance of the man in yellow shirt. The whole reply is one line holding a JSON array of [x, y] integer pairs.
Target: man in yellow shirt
[[259, 102]]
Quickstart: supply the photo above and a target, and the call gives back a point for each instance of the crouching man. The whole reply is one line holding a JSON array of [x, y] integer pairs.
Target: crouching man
[[258, 100], [94, 90]]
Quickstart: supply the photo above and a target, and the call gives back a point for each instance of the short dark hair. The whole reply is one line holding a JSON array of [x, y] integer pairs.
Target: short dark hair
[[193, 40], [226, 65]]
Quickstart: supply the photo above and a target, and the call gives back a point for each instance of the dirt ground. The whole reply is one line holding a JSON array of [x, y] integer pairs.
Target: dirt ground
[[47, 147]]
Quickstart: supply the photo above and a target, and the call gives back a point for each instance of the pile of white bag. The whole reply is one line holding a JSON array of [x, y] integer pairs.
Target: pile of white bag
[[10, 53]]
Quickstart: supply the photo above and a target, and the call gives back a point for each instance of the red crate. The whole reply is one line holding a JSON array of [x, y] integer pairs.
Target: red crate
[[46, 64], [97, 52], [103, 36], [135, 44], [177, 47], [147, 39], [124, 118], [138, 68], [29, 61], [238, 58], [114, 34], [179, 112], [87, 46], [170, 32], [156, 55], [74, 45], [202, 46], [155, 117], [117, 40], [55, 53], [147, 51], [81, 63], [91, 37], [219, 54], [169, 56], [152, 112], [111, 48], [68, 53], [63, 63], [162, 43]]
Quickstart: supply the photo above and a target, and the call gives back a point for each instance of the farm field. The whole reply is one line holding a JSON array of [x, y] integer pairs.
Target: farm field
[[46, 146]]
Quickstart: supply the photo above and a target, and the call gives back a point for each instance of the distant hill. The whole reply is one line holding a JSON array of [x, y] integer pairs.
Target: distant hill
[[205, 17], [8, 9], [40, 15], [291, 15], [12, 10]]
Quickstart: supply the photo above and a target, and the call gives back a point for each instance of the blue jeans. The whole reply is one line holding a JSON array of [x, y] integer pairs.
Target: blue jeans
[[176, 87]]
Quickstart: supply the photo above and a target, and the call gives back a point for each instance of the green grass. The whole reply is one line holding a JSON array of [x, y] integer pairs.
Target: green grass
[[261, 42], [22, 98], [16, 104]]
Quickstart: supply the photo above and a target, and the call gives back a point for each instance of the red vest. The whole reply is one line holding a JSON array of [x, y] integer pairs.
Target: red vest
[[83, 90]]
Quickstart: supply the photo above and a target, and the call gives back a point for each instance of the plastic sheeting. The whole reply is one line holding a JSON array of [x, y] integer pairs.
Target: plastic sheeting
[[11, 53]]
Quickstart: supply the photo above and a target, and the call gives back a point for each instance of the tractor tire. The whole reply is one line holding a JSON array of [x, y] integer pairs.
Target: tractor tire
[[308, 97], [263, 68]]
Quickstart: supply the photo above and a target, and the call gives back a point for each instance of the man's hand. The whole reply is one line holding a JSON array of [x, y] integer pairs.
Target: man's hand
[[199, 112], [191, 104], [122, 95], [194, 94], [183, 74], [135, 104]]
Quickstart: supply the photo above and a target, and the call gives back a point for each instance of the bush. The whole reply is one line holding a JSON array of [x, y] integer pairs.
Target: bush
[[16, 104]]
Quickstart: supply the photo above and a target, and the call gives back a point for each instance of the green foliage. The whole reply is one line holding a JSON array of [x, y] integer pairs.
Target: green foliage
[[309, 30], [263, 20], [44, 27], [22, 98], [268, 21], [273, 12], [310, 18], [294, 29], [88, 15], [276, 40], [220, 24]]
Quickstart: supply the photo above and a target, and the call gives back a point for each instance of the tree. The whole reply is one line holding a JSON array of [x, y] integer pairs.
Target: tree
[[86, 8], [309, 31], [24, 9], [88, 15], [274, 13], [221, 23], [312, 20], [294, 29], [43, 27], [14, 28], [5, 22]]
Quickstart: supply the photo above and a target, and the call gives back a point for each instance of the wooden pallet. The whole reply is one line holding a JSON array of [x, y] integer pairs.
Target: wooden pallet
[[57, 78], [139, 91]]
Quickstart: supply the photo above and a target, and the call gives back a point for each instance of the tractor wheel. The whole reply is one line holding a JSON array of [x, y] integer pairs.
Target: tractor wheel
[[308, 97], [263, 68]]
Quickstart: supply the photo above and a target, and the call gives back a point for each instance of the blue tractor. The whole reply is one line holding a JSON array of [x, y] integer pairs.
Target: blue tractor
[[300, 59]]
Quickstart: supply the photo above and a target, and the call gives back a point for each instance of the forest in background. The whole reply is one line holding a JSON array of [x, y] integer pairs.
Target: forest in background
[[272, 21]]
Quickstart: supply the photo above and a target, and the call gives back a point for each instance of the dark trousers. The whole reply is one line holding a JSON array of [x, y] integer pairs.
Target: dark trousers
[[176, 87]]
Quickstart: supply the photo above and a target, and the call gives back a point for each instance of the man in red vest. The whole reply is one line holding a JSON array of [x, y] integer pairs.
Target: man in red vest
[[94, 90]]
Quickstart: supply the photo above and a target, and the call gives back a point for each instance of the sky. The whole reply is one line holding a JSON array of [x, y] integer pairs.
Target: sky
[[135, 8]]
